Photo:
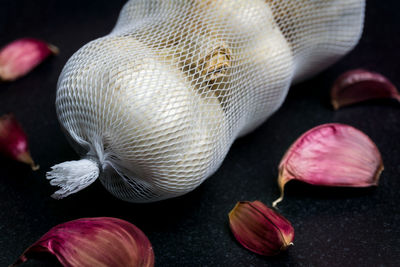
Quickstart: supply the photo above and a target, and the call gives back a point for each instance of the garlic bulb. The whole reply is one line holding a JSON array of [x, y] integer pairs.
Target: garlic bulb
[[154, 106], [154, 127]]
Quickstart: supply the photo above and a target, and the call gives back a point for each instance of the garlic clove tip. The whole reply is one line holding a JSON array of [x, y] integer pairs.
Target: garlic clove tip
[[54, 49], [25, 157]]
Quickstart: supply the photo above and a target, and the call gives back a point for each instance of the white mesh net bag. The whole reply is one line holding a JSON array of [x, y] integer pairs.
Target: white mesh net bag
[[154, 106]]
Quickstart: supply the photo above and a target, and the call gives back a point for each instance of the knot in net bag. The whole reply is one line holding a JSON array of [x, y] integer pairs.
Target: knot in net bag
[[154, 106]]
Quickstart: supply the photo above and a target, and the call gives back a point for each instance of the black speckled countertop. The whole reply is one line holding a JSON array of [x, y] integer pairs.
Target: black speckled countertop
[[333, 226]]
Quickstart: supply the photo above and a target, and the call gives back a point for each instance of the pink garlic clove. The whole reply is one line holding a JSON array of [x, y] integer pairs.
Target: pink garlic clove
[[101, 241], [14, 142], [260, 229], [21, 56], [331, 154], [360, 85]]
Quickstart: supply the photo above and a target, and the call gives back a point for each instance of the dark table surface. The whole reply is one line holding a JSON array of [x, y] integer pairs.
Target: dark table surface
[[333, 226]]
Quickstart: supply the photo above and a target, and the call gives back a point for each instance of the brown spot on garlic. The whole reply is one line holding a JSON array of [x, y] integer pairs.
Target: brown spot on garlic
[[215, 64]]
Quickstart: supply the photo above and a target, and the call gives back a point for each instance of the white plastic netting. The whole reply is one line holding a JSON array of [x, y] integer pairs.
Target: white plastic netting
[[154, 106]]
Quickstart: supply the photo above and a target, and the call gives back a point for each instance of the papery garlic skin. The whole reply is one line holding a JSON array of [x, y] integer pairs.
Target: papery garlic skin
[[260, 229], [359, 85], [21, 56], [331, 155], [100, 242], [14, 141]]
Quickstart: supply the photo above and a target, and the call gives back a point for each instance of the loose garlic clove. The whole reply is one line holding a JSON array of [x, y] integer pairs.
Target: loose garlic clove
[[14, 142], [331, 155], [98, 242], [21, 56], [360, 85], [260, 229]]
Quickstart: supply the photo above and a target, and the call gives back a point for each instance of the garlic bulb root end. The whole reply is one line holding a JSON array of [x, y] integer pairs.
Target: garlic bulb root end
[[73, 176]]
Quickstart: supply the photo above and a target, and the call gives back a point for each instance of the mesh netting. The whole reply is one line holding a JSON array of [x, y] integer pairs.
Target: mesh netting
[[157, 103]]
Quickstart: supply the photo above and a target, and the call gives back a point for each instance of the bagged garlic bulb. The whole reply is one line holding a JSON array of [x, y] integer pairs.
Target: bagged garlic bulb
[[153, 107]]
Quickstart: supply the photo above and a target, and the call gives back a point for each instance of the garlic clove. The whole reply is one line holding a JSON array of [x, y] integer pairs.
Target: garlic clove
[[21, 56], [14, 142], [331, 154], [101, 241], [260, 229], [360, 85]]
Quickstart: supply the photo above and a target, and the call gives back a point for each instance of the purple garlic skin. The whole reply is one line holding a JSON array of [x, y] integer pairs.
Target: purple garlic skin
[[21, 56], [99, 242], [260, 229], [361, 85], [14, 142], [331, 154]]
